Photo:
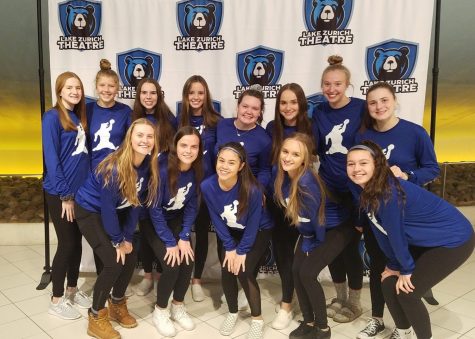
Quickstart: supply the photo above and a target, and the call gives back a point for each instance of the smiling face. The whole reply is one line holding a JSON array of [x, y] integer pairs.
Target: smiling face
[[143, 139], [187, 149], [334, 85], [360, 167], [71, 93], [196, 97], [228, 165], [292, 156], [248, 112], [107, 88], [381, 104], [289, 107], [148, 96]]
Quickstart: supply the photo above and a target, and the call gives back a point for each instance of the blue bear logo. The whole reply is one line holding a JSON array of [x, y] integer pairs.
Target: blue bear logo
[[259, 69], [200, 20], [138, 68], [390, 64], [80, 21], [327, 14]]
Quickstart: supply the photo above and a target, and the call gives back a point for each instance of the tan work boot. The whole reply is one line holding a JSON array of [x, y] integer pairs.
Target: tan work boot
[[100, 326], [120, 313]]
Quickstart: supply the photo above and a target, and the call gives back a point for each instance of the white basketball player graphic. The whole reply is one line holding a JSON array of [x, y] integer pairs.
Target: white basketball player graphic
[[125, 203], [229, 215], [387, 151], [335, 138], [300, 219], [200, 129], [176, 202], [104, 134], [80, 141]]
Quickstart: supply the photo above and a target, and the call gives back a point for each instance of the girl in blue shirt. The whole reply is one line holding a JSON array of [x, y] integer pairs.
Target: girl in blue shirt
[[107, 214], [235, 202], [198, 111], [290, 116], [67, 163], [404, 216], [169, 231]]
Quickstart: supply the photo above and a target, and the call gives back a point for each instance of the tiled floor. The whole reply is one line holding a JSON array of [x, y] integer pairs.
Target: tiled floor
[[23, 309]]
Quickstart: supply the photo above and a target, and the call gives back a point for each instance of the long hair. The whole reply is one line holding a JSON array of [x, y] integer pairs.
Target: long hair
[[106, 71], [79, 109], [247, 181], [256, 94], [120, 163], [303, 122], [379, 187], [336, 64], [174, 161], [367, 121], [161, 112], [210, 116], [295, 204]]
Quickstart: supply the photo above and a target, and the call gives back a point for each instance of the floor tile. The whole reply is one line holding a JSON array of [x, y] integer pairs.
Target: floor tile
[[24, 292], [452, 321], [21, 328], [24, 254], [9, 313]]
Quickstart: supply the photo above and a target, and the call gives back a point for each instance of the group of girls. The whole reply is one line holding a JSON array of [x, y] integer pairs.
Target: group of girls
[[109, 168]]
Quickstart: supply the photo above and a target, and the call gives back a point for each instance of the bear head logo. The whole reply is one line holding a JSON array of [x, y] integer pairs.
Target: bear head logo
[[327, 14], [259, 69], [80, 21], [200, 20], [390, 64], [138, 68]]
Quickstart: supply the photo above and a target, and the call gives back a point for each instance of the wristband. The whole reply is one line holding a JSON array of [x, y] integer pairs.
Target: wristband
[[67, 197]]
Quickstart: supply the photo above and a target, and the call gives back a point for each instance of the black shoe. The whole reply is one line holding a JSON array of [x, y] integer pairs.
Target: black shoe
[[304, 331], [320, 334]]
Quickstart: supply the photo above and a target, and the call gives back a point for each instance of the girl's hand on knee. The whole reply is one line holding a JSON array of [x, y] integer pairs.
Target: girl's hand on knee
[[67, 210], [172, 256], [186, 252], [228, 261], [388, 272], [127, 246], [404, 284], [239, 262]]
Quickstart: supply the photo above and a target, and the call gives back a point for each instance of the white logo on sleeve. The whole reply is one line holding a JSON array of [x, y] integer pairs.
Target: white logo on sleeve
[[300, 219], [176, 202], [375, 222], [387, 151], [334, 139], [104, 134], [125, 203], [80, 142], [230, 215]]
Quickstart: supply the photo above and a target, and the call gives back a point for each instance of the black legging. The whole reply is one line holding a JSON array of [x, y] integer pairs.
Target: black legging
[[248, 278], [174, 279], [407, 309], [284, 238], [113, 273], [67, 258], [307, 266], [202, 224], [146, 254]]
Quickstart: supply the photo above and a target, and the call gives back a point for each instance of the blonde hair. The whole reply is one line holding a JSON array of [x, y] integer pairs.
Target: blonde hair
[[106, 71], [79, 109], [335, 63], [119, 167]]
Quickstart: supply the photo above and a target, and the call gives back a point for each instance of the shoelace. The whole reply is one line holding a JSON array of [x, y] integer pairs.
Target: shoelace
[[371, 327], [180, 312]]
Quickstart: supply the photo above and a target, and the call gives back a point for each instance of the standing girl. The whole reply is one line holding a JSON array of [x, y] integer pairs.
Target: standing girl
[[403, 217], [169, 231], [107, 213], [198, 111], [411, 155], [235, 204], [337, 122], [290, 117], [324, 230], [67, 166], [150, 104]]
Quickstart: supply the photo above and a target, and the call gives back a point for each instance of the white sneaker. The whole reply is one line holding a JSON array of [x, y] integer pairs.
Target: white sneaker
[[256, 330], [197, 292], [163, 324], [178, 314], [401, 333], [64, 309], [227, 327], [282, 319], [144, 287], [79, 298], [242, 301]]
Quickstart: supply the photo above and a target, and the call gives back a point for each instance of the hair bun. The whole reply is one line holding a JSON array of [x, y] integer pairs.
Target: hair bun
[[335, 60], [105, 65]]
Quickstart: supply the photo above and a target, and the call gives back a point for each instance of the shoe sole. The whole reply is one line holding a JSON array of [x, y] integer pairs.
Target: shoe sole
[[92, 334], [62, 317], [123, 325]]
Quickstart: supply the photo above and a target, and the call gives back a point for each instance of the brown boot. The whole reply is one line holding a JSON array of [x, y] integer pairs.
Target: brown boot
[[100, 327], [120, 313]]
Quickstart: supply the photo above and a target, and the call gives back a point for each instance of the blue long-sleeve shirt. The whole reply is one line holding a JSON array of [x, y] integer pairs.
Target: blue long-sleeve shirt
[[335, 131], [256, 142], [222, 206], [107, 129], [167, 208], [108, 201], [408, 146], [425, 220], [66, 155]]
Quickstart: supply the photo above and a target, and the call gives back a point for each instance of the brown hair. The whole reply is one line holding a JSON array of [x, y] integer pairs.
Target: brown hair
[[295, 204], [106, 71], [210, 116], [336, 64], [79, 109], [367, 121], [256, 94], [303, 122], [120, 163]]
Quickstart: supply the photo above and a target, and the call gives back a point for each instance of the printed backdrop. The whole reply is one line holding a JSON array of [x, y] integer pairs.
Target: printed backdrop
[[234, 44]]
